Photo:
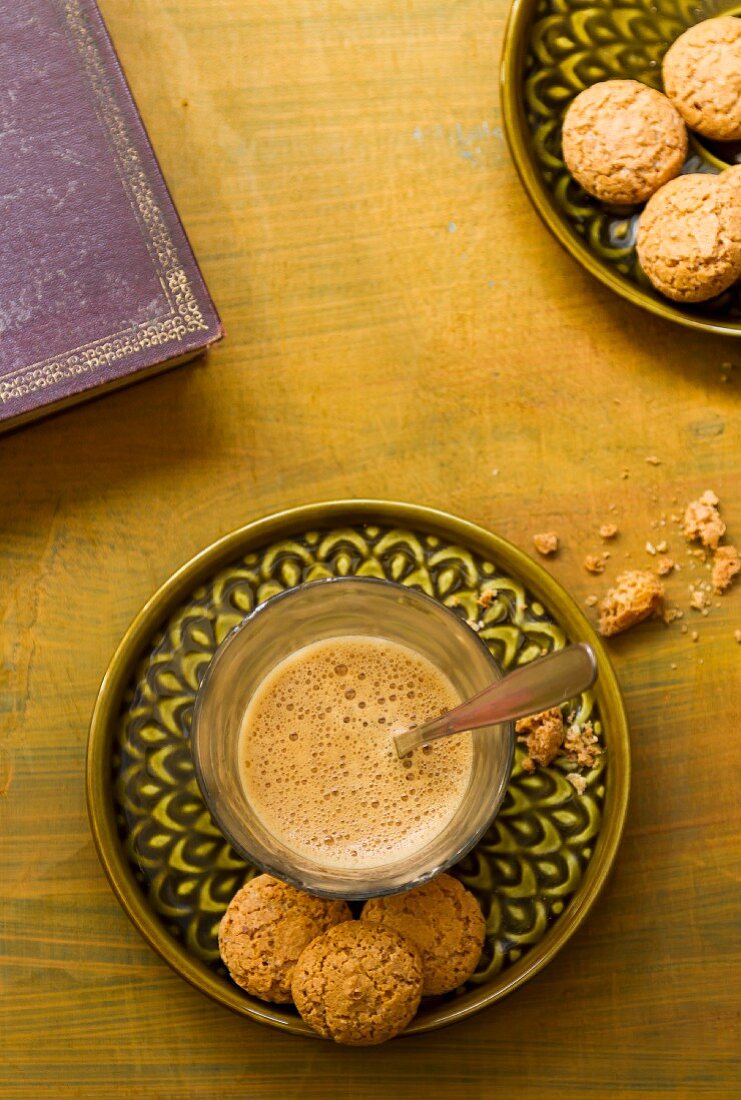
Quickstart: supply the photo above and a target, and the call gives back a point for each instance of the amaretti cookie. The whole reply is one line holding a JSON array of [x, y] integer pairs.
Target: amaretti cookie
[[264, 930], [445, 922], [702, 77], [358, 984], [689, 239], [623, 140]]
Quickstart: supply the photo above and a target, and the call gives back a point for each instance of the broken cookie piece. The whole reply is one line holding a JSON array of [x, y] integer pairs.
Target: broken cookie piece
[[726, 564], [702, 520], [636, 596], [542, 735], [581, 745], [546, 543]]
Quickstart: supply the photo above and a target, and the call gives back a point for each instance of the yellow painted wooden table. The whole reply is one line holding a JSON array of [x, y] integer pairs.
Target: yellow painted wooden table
[[399, 325]]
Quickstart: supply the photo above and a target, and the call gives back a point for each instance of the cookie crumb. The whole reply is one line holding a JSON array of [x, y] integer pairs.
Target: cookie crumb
[[664, 566], [476, 626], [608, 531], [699, 599], [593, 564], [546, 543], [578, 782], [737, 635], [652, 460], [543, 735], [581, 745], [591, 601], [726, 564], [672, 613], [636, 595], [650, 548], [487, 597], [695, 636], [702, 520]]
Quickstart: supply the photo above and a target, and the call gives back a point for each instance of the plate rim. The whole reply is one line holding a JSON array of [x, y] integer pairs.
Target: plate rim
[[218, 554], [515, 127]]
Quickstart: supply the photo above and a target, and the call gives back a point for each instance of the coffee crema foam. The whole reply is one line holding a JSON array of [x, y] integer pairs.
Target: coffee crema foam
[[318, 763]]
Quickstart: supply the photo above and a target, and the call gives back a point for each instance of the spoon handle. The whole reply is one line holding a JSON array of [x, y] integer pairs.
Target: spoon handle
[[528, 690]]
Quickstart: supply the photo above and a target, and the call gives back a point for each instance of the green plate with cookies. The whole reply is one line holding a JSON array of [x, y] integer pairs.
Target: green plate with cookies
[[536, 871], [559, 53]]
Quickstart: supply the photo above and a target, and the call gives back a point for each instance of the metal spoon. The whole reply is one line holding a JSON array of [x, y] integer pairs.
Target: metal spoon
[[528, 690]]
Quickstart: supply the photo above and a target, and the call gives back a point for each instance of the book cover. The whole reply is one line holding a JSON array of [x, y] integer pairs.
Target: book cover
[[98, 283]]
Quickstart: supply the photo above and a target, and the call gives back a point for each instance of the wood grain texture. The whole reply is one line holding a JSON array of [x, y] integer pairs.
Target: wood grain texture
[[399, 324]]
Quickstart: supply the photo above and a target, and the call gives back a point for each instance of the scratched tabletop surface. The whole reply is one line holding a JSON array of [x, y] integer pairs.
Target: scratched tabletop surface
[[399, 325]]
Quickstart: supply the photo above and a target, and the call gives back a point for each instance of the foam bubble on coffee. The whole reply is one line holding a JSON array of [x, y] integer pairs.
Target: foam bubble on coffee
[[318, 763]]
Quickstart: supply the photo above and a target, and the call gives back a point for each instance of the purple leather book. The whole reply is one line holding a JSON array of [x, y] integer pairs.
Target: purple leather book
[[98, 284]]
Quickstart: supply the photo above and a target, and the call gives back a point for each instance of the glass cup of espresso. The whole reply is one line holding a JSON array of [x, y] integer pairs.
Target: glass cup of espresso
[[292, 738]]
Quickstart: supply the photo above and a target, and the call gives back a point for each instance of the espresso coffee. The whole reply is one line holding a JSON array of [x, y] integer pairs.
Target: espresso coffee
[[318, 763]]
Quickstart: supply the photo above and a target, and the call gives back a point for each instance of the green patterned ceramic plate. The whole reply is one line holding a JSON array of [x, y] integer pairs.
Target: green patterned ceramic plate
[[537, 870], [552, 50]]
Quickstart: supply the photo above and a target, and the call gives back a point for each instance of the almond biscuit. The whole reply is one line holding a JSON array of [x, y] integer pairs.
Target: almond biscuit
[[445, 922], [264, 930], [702, 77], [358, 984], [623, 140], [689, 239]]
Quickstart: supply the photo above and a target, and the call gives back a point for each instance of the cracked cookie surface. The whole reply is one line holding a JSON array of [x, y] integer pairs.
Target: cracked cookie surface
[[622, 140], [445, 922], [358, 984], [702, 77], [689, 238], [264, 930]]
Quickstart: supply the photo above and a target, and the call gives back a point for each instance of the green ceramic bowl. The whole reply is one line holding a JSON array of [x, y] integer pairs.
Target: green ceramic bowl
[[553, 49], [536, 871]]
